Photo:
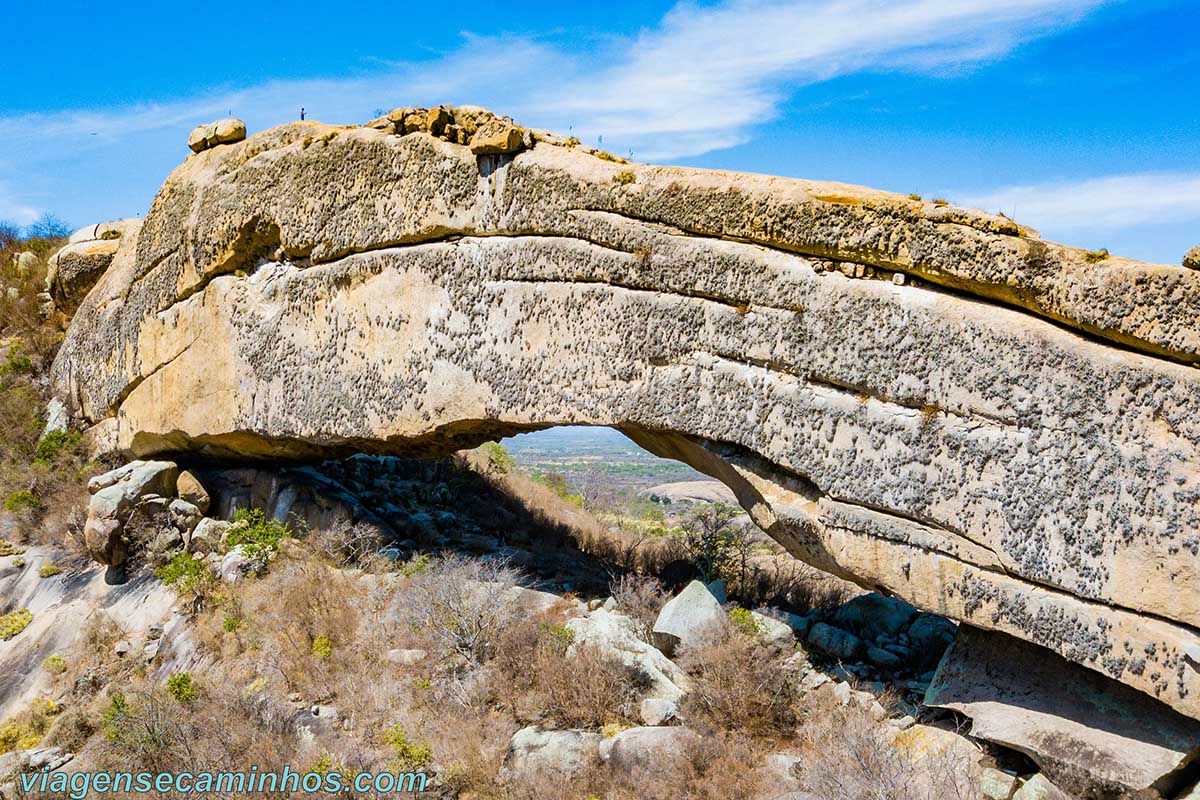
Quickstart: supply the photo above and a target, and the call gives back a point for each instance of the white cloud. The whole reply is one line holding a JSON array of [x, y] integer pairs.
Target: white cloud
[[700, 80], [1118, 201], [13, 210]]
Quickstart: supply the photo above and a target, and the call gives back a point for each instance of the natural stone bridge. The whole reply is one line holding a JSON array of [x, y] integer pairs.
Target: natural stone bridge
[[928, 400]]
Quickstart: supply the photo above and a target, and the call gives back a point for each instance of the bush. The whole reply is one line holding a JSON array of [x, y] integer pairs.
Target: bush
[[460, 604], [408, 756], [54, 443], [745, 623], [56, 664], [189, 577], [258, 535], [21, 501], [497, 458], [588, 688], [641, 599], [9, 549], [48, 570], [14, 622], [739, 686], [322, 646], [180, 687]]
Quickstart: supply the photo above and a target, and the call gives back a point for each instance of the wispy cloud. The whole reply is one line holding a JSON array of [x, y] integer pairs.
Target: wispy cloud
[[1117, 201], [703, 78]]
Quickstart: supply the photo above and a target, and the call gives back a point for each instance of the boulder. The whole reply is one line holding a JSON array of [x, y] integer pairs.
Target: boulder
[[536, 751], [658, 711], [223, 131], [497, 137], [189, 488], [995, 784], [208, 535], [406, 658], [77, 266], [836, 642], [637, 749], [235, 565], [117, 495], [929, 636], [1039, 787], [688, 619], [941, 757], [870, 615], [885, 660], [775, 632], [616, 635], [1087, 733], [184, 516], [1191, 259]]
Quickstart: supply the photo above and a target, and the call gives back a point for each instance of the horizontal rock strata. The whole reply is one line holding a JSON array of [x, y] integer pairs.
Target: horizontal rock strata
[[1004, 434]]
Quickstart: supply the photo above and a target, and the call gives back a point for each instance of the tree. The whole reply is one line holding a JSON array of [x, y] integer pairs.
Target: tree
[[48, 226], [713, 539]]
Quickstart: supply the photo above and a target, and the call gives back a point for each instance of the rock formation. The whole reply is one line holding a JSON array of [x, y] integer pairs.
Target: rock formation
[[74, 270], [926, 399]]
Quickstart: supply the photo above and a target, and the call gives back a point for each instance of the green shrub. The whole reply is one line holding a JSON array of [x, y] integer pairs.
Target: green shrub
[[48, 570], [624, 178], [1096, 256], [914, 196], [109, 235], [232, 622], [415, 565], [21, 501], [257, 534], [498, 458], [183, 572], [55, 664], [745, 622], [115, 716], [14, 622], [9, 549], [180, 687], [54, 443], [559, 637], [409, 756], [322, 646]]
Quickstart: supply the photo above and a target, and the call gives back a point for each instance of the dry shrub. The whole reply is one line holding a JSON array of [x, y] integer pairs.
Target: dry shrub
[[722, 767], [587, 688], [740, 685], [641, 599], [462, 606], [349, 544], [848, 755]]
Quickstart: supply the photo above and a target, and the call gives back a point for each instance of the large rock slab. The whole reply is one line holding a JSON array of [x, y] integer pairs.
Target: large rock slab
[[1089, 734], [688, 619], [1019, 453]]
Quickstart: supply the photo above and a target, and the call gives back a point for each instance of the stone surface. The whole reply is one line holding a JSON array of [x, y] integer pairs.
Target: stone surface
[[658, 711], [117, 495], [208, 535], [646, 748], [189, 488], [869, 615], [75, 268], [235, 565], [688, 619], [1018, 454], [836, 642], [997, 785], [616, 635], [1191, 259], [1040, 788], [535, 751], [1089, 734]]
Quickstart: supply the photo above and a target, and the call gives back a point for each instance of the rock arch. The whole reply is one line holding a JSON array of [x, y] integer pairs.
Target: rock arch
[[927, 399]]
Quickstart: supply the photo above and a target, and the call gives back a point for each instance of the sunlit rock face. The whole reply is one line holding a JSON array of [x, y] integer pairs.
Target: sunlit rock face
[[926, 399]]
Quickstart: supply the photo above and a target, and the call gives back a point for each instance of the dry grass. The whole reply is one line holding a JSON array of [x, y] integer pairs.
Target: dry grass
[[641, 599]]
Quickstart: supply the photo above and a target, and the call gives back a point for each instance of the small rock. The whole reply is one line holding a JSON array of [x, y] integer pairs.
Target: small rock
[[869, 615], [235, 565], [207, 535], [155, 631], [658, 711], [496, 137], [775, 631], [295, 697], [898, 278], [884, 659], [190, 489], [647, 748], [406, 657], [122, 647]]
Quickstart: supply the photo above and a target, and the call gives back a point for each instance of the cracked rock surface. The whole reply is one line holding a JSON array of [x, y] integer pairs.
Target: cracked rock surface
[[1005, 434]]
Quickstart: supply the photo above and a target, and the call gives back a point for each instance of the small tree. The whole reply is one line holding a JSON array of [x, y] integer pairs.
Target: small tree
[[711, 537]]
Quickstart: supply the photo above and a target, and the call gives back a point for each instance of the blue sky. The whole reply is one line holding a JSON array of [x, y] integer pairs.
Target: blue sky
[[1078, 117]]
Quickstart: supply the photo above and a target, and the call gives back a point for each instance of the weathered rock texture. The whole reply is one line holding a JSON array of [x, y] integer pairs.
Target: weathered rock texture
[[1009, 440], [1088, 733], [73, 271]]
